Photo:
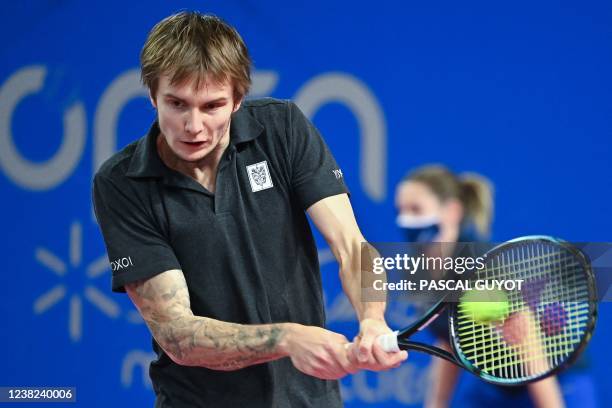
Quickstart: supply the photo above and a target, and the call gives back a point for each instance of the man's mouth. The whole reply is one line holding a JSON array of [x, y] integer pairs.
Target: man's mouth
[[194, 144]]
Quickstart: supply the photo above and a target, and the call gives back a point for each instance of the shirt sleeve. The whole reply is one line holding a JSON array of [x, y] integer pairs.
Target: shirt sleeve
[[135, 245], [315, 173]]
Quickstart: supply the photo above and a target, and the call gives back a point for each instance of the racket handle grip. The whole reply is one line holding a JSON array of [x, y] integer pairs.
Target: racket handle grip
[[388, 342]]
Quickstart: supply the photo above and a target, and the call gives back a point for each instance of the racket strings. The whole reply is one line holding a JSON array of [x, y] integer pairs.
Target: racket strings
[[547, 318]]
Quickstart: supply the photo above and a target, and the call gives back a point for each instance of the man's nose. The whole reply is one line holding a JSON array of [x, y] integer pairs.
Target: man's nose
[[193, 123]]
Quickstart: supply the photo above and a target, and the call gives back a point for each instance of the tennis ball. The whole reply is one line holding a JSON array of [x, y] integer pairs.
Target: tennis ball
[[485, 305]]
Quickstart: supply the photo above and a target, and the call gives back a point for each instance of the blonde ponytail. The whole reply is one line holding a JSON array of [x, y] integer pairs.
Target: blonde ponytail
[[477, 198]]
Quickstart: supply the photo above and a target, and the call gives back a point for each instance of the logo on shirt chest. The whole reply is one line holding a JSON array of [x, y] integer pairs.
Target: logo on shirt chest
[[259, 176]]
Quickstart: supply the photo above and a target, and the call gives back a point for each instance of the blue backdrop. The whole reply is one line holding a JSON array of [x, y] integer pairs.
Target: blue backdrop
[[518, 91]]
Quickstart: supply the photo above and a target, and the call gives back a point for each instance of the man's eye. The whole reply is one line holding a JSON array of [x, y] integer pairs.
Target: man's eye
[[176, 104]]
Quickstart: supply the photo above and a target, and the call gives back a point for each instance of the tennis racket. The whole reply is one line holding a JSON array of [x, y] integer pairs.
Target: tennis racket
[[548, 324]]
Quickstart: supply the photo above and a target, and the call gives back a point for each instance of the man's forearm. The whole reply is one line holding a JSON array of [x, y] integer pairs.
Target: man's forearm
[[205, 342], [365, 309], [351, 273], [163, 302], [335, 219]]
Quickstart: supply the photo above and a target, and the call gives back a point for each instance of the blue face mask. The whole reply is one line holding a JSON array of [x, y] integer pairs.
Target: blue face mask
[[418, 228]]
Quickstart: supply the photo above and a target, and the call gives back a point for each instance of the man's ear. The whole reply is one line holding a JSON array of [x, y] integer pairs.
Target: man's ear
[[152, 100], [237, 105]]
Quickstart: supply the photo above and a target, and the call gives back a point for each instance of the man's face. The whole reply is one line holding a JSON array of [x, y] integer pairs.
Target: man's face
[[193, 120]]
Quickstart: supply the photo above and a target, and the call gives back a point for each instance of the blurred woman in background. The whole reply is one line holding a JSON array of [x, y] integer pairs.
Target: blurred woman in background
[[436, 205]]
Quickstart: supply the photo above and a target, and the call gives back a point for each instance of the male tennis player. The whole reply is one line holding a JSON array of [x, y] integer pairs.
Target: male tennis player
[[205, 227]]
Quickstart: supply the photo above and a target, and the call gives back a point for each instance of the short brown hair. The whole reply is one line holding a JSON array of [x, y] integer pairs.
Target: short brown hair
[[191, 44]]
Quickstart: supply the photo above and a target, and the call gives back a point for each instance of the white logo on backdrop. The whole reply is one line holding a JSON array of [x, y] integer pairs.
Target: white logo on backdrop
[[27, 174], [136, 361], [122, 90], [356, 96], [93, 270], [333, 87]]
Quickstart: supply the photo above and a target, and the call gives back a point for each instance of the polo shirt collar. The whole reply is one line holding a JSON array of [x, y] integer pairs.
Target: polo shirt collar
[[244, 127], [147, 163]]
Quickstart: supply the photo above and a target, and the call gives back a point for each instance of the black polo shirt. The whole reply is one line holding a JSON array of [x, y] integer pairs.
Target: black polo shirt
[[247, 251]]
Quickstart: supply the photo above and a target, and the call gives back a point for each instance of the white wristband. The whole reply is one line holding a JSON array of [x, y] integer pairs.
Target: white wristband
[[388, 342]]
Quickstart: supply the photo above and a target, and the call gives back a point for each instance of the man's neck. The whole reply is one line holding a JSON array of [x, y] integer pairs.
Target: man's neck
[[204, 171]]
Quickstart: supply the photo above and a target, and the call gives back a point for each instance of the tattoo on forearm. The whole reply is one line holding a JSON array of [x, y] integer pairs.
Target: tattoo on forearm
[[201, 341]]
